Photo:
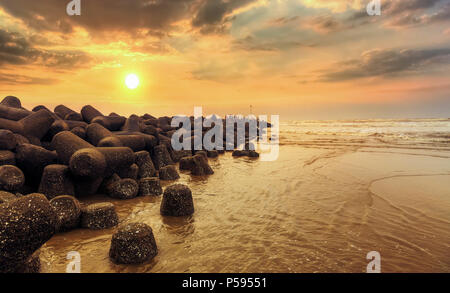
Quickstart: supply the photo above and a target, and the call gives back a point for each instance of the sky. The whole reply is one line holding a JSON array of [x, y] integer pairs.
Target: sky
[[300, 59]]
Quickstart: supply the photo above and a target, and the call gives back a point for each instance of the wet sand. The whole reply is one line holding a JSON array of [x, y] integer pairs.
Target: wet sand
[[318, 208]]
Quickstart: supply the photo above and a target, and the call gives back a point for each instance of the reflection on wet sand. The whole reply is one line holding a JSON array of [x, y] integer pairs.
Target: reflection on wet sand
[[321, 207]]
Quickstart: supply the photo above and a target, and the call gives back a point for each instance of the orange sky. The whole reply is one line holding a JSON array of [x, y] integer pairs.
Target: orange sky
[[301, 59]]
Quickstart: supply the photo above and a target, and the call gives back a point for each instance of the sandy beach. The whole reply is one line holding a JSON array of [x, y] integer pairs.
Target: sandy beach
[[328, 200]]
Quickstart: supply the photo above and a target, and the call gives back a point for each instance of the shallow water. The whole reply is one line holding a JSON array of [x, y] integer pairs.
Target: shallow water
[[338, 190]]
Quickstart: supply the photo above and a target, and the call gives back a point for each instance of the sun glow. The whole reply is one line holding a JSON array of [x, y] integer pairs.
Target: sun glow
[[132, 81]]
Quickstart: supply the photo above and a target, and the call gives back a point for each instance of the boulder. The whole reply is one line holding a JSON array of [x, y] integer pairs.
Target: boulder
[[12, 102], [66, 144], [79, 131], [161, 156], [123, 189], [32, 160], [117, 158], [99, 216], [187, 163], [7, 158], [6, 197], [201, 166], [112, 123], [89, 113], [7, 140], [88, 162], [177, 201], [145, 164], [68, 210], [150, 186], [11, 178], [25, 225], [130, 172], [31, 266], [133, 244], [168, 173], [56, 180], [96, 132], [212, 154]]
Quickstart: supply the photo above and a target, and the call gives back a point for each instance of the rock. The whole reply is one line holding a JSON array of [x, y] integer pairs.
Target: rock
[[110, 141], [150, 186], [161, 157], [112, 123], [96, 132], [11, 113], [67, 114], [7, 158], [130, 172], [168, 173], [56, 181], [57, 127], [212, 154], [6, 197], [107, 181], [37, 124], [25, 225], [31, 266], [117, 158], [89, 113], [68, 210], [88, 162], [12, 102], [132, 124], [240, 153], [11, 178], [133, 244], [72, 124], [178, 155], [123, 189], [7, 140], [32, 160], [79, 131], [85, 186], [66, 144], [99, 216], [203, 153], [177, 201], [145, 164], [187, 163], [133, 141], [201, 166], [21, 139]]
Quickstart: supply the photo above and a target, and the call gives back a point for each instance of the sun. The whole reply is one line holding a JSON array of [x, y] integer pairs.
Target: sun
[[132, 81]]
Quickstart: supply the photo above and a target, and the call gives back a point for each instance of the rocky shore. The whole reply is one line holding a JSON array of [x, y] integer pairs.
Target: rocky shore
[[51, 161]]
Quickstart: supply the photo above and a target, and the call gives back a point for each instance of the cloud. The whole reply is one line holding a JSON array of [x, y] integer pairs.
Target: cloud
[[251, 43], [15, 79], [15, 49], [213, 15], [101, 15], [378, 62], [413, 13]]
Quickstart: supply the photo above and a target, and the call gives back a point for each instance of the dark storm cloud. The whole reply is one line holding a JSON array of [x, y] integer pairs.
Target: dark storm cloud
[[100, 15], [388, 63], [211, 16], [15, 49]]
